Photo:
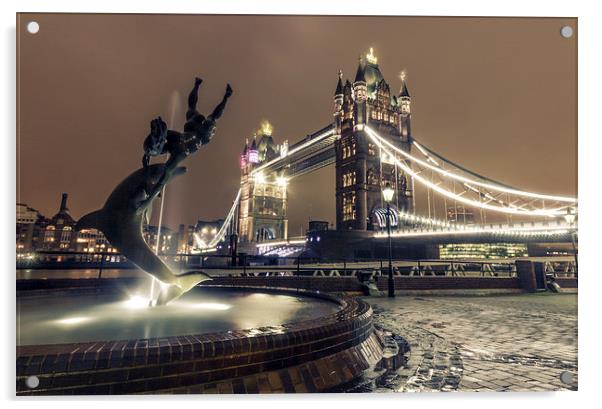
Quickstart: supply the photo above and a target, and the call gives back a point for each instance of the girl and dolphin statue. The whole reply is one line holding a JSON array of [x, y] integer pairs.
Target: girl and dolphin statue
[[129, 205]]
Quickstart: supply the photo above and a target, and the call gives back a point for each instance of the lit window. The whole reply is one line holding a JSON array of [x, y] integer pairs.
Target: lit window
[[349, 206], [349, 179]]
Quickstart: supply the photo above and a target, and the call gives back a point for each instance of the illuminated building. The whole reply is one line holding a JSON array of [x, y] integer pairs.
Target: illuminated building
[[168, 242], [263, 200], [26, 214], [27, 229], [482, 250], [186, 238], [92, 241], [57, 233], [361, 170], [206, 231]]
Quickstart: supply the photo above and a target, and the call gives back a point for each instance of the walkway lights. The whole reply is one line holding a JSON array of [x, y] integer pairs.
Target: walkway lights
[[570, 218], [388, 196]]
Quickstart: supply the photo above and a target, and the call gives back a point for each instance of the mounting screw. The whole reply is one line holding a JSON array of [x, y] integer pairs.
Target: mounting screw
[[33, 27], [566, 31], [567, 378], [32, 382]]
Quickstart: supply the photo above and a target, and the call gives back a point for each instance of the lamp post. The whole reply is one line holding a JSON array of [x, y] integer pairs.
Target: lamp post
[[570, 218], [388, 196]]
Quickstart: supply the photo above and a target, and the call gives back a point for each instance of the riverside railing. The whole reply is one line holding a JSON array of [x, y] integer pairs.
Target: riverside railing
[[252, 265]]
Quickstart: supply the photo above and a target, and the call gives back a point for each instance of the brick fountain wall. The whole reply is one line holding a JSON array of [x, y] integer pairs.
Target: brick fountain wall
[[308, 356]]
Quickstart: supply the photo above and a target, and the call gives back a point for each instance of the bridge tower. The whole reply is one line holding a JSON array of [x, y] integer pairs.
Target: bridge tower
[[361, 171], [263, 197]]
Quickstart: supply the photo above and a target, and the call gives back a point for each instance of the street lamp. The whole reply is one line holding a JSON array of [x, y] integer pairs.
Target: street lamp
[[388, 196], [570, 218]]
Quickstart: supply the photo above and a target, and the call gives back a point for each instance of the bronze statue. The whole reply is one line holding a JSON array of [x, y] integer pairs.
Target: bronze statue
[[121, 220], [122, 216], [198, 131]]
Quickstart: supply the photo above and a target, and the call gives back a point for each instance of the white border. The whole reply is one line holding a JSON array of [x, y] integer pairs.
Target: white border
[[590, 69]]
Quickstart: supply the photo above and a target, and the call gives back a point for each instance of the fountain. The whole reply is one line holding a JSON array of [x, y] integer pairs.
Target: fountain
[[102, 336]]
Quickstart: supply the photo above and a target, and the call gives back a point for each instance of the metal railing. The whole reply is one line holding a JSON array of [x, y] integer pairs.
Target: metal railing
[[252, 265]]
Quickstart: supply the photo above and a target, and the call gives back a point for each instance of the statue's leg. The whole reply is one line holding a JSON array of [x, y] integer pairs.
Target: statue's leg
[[219, 109], [193, 98]]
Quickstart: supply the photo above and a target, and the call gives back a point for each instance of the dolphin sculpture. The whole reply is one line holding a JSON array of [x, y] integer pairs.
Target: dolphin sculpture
[[121, 219]]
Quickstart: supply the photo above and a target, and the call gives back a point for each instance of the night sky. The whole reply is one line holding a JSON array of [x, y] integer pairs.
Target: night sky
[[495, 95]]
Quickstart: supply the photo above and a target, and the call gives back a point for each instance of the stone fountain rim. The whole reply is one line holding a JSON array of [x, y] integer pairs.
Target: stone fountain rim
[[351, 308]]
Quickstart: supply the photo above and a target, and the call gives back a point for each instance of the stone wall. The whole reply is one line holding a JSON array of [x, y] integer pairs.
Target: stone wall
[[322, 284], [565, 282]]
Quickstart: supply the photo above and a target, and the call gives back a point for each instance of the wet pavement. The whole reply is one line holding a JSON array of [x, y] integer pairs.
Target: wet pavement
[[479, 343]]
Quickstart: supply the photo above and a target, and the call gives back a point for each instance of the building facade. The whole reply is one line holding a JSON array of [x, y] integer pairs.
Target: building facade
[[263, 200], [162, 241], [58, 232], [92, 241], [186, 240], [36, 233], [27, 229], [361, 170]]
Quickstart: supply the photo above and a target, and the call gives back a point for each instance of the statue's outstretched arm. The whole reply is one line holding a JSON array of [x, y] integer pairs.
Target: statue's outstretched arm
[[219, 109]]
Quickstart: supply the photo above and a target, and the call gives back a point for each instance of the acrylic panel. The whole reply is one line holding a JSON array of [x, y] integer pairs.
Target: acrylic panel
[[247, 204]]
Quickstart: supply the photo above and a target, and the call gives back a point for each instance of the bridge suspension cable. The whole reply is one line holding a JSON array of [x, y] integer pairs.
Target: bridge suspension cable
[[478, 190], [219, 236]]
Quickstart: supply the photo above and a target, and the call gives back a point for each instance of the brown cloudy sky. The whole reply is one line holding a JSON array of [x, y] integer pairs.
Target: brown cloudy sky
[[496, 95]]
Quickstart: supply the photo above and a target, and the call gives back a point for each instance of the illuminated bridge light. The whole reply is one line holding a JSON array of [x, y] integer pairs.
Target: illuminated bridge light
[[467, 230], [381, 142], [282, 181], [384, 145], [259, 178]]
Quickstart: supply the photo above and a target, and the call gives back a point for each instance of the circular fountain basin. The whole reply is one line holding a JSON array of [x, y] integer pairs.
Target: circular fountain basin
[[215, 339], [53, 318]]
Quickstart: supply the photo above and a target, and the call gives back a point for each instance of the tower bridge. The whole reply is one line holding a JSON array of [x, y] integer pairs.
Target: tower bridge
[[371, 144]]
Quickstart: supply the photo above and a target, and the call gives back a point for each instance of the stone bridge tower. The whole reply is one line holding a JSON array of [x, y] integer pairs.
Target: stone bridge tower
[[263, 197], [361, 170]]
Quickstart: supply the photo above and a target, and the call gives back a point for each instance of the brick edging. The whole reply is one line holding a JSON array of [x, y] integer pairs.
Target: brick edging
[[146, 365]]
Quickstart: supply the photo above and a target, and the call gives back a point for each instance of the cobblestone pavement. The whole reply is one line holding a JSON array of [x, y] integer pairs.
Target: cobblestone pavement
[[484, 343]]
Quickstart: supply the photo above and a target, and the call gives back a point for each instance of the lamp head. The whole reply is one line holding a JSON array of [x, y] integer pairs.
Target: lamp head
[[388, 193]]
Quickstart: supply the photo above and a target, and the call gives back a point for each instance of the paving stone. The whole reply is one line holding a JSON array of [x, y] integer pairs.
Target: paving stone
[[514, 342]]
